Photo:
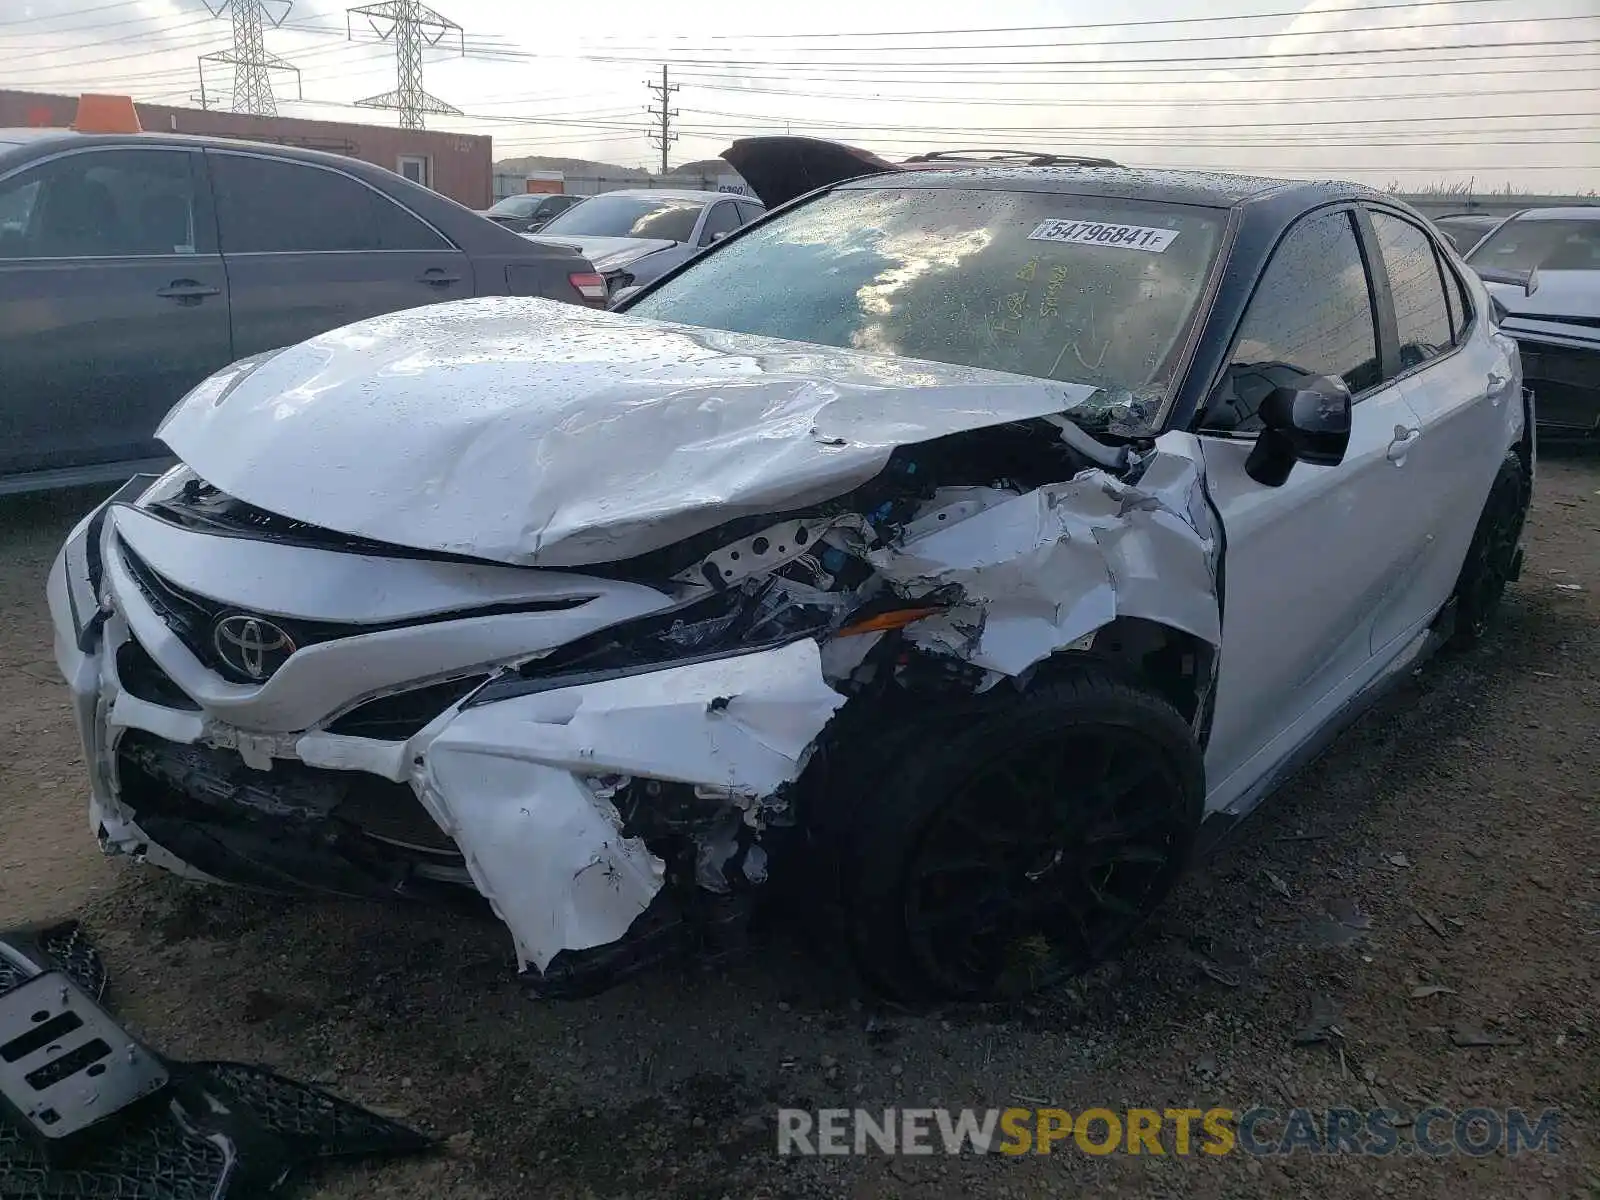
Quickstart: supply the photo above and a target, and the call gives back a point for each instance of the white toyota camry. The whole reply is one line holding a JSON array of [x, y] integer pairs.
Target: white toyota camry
[[943, 550]]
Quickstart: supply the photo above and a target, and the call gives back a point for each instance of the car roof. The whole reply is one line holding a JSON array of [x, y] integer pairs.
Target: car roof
[[27, 135], [668, 193], [1575, 212], [1214, 189], [1485, 218]]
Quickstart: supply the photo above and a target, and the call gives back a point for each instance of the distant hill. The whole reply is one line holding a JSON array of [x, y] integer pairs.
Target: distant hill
[[703, 166]]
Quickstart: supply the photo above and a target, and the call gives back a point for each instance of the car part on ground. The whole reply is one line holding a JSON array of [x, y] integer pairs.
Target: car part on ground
[[1543, 267], [670, 610], [134, 265], [87, 1112]]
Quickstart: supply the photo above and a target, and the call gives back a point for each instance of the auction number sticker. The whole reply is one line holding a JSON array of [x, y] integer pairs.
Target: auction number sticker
[[1100, 233]]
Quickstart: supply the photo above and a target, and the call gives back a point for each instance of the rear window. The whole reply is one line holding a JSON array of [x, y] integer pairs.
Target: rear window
[[1546, 245], [629, 217], [516, 206], [1094, 290]]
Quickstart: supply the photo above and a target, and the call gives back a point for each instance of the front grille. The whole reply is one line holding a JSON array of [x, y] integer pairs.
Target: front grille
[[398, 717], [202, 783], [141, 676], [187, 615], [194, 619]]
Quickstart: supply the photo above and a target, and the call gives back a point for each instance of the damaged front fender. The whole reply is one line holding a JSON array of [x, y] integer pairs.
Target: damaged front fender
[[522, 785], [1037, 572]]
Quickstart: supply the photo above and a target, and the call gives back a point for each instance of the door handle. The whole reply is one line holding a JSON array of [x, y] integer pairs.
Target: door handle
[[1404, 439], [437, 277], [187, 291]]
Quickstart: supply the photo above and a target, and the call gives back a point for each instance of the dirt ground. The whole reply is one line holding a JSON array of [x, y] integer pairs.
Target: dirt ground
[[1462, 820]]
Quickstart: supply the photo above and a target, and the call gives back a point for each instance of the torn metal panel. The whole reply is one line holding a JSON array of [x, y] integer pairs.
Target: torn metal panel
[[1035, 572], [515, 783], [569, 436]]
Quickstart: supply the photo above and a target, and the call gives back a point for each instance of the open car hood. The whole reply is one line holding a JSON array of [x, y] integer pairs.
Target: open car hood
[[780, 168], [531, 432]]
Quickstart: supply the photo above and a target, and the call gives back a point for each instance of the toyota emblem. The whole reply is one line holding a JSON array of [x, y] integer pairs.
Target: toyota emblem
[[252, 647]]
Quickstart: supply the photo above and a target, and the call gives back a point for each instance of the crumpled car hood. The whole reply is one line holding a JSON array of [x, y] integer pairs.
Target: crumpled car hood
[[536, 433]]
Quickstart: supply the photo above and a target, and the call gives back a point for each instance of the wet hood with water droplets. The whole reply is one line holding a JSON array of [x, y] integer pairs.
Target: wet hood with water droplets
[[530, 432]]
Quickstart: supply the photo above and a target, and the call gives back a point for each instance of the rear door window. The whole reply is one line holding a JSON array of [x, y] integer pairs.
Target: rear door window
[[1421, 311], [103, 204], [271, 206]]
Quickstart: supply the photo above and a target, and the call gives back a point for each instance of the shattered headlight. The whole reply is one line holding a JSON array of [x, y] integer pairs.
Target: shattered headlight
[[758, 615]]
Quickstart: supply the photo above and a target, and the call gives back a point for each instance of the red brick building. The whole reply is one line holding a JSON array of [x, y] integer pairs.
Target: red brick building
[[459, 165]]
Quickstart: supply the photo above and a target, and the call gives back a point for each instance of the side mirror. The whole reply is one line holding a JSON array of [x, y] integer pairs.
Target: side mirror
[[1307, 422], [719, 235]]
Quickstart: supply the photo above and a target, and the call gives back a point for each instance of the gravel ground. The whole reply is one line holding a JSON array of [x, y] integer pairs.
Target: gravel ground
[[1461, 818]]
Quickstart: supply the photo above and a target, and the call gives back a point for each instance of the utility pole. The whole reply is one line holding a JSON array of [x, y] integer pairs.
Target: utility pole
[[663, 116], [412, 25], [252, 62]]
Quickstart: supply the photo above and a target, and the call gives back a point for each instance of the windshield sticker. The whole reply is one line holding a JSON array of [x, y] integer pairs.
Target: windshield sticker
[[1100, 233]]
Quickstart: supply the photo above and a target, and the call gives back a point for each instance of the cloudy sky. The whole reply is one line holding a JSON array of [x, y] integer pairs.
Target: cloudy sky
[[1495, 91]]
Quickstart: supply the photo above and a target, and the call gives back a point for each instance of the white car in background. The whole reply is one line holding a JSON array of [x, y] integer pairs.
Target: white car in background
[[635, 236], [1543, 267]]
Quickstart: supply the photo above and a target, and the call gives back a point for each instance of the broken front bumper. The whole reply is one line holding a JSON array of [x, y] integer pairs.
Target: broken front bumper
[[263, 784]]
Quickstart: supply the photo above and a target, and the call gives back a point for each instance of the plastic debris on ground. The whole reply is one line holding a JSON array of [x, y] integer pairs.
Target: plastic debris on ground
[[139, 1126]]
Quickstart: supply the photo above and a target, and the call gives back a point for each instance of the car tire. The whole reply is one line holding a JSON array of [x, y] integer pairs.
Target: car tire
[[1493, 556], [1015, 839]]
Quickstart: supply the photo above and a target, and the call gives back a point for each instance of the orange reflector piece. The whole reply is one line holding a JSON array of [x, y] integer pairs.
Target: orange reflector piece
[[897, 619], [106, 114]]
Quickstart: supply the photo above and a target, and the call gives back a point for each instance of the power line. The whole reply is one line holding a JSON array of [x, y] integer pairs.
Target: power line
[[1186, 40], [1168, 130], [412, 25], [1216, 61], [252, 62], [1185, 102], [1288, 14], [1163, 77], [78, 12], [143, 35], [663, 137]]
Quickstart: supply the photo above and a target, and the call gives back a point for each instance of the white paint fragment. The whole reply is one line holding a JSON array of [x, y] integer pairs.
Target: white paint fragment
[[507, 781]]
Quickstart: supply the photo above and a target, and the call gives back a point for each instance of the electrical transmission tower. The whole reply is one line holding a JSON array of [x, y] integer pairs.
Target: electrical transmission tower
[[252, 62], [664, 136], [412, 25]]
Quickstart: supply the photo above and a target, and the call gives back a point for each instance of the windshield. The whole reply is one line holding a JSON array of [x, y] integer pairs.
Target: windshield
[[1547, 245], [629, 217], [1094, 290], [516, 206]]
